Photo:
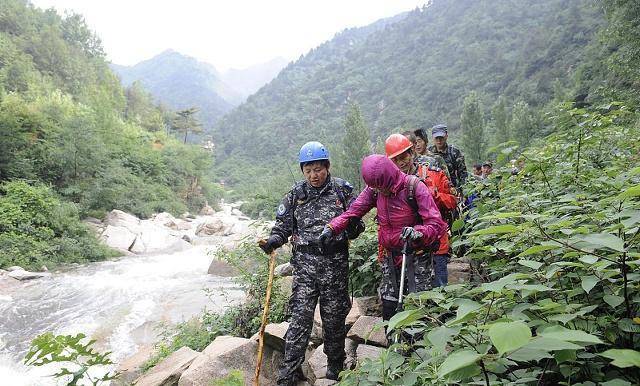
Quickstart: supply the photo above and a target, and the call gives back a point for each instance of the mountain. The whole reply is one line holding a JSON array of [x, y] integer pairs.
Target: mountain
[[181, 82], [412, 70], [249, 80]]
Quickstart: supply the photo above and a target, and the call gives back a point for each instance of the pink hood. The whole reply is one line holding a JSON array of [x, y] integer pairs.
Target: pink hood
[[379, 172]]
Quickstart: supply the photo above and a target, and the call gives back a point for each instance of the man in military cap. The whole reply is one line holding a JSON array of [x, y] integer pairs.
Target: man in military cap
[[453, 157]]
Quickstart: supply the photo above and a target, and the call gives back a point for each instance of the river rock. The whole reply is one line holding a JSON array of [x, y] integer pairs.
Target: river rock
[[165, 219], [285, 269], [26, 275], [131, 368], [365, 351], [350, 347], [207, 211], [318, 363], [222, 268], [324, 382], [118, 237], [15, 268], [367, 329], [211, 227], [168, 372], [274, 335], [226, 353], [354, 313], [118, 218], [369, 305], [459, 272], [286, 285], [156, 238]]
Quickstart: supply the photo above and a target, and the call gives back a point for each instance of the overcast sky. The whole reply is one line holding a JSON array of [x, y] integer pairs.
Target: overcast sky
[[227, 34]]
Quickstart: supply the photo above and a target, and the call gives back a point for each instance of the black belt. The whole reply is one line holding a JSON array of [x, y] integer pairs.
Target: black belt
[[316, 250]]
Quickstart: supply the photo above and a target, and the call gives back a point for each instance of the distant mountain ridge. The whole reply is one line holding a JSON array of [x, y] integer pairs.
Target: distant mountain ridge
[[181, 81]]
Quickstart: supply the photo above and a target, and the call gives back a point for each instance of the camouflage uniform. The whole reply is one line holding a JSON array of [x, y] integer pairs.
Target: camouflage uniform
[[434, 160], [422, 272], [302, 214], [454, 159]]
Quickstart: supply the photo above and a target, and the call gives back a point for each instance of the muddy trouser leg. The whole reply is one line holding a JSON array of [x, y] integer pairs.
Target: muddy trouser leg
[[389, 287], [302, 304], [423, 280], [441, 278], [333, 276]]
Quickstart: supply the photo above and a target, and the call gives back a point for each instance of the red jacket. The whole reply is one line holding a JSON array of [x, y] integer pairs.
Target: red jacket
[[438, 185]]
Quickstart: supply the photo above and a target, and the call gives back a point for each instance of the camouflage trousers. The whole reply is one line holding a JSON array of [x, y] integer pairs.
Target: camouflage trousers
[[390, 285], [323, 278]]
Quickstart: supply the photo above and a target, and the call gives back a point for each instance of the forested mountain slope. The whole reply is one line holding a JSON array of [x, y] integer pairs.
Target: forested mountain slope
[[414, 70], [182, 82]]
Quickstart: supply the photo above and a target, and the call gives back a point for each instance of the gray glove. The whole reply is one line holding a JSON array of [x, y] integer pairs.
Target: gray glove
[[326, 236], [408, 233]]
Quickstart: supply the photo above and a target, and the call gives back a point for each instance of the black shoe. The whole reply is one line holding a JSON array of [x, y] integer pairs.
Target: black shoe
[[333, 371]]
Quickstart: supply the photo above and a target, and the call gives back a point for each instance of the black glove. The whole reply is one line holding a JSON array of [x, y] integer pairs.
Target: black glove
[[271, 244], [408, 233], [326, 236]]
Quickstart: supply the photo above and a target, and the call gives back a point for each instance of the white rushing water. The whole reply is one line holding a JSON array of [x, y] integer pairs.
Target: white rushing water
[[118, 303]]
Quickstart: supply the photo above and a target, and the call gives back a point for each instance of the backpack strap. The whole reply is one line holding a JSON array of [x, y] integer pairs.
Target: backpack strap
[[341, 187], [411, 197]]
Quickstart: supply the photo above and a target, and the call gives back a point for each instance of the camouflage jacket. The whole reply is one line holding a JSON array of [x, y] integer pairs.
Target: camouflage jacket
[[434, 160], [454, 159], [305, 210]]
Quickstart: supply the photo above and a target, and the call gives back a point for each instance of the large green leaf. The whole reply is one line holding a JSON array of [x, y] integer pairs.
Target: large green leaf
[[588, 282], [562, 333], [550, 344], [405, 318], [537, 249], [623, 357], [600, 240], [496, 230], [440, 336], [509, 336], [458, 360], [633, 191], [530, 264], [613, 300]]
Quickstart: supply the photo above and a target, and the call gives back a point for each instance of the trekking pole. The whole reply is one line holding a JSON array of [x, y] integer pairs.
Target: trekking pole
[[265, 315], [405, 247]]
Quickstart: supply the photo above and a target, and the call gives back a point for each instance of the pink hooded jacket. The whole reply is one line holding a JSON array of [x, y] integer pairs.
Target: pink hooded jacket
[[394, 211]]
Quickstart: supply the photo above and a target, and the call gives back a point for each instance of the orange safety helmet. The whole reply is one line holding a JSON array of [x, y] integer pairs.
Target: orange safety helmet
[[396, 144]]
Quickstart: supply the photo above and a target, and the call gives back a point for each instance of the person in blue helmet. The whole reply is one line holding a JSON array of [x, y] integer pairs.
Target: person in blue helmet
[[320, 272]]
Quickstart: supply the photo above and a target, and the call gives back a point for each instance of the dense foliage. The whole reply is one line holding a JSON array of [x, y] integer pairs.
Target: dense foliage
[[37, 228], [65, 122], [412, 70], [560, 242]]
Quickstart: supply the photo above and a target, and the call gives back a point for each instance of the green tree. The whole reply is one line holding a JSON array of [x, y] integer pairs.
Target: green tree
[[356, 145], [523, 123], [500, 118], [185, 122], [474, 140]]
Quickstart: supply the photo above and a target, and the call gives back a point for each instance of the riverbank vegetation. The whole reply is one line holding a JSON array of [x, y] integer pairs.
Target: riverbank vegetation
[[71, 132]]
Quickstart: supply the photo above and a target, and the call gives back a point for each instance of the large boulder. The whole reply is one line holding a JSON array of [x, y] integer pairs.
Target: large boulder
[[222, 268], [227, 353], [369, 305], [118, 237], [365, 351], [131, 367], [207, 211], [367, 330], [318, 363], [26, 275], [211, 227], [118, 218], [274, 335], [168, 372], [459, 272]]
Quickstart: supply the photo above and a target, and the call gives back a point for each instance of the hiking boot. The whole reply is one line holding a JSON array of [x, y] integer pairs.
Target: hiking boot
[[333, 371]]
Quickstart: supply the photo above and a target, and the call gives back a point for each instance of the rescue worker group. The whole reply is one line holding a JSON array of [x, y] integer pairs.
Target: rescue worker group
[[415, 188]]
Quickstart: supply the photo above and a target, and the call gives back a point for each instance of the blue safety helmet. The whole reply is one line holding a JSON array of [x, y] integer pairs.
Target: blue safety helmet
[[313, 151]]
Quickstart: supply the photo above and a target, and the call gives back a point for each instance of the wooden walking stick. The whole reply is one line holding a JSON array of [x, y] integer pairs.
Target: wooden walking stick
[[265, 316]]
